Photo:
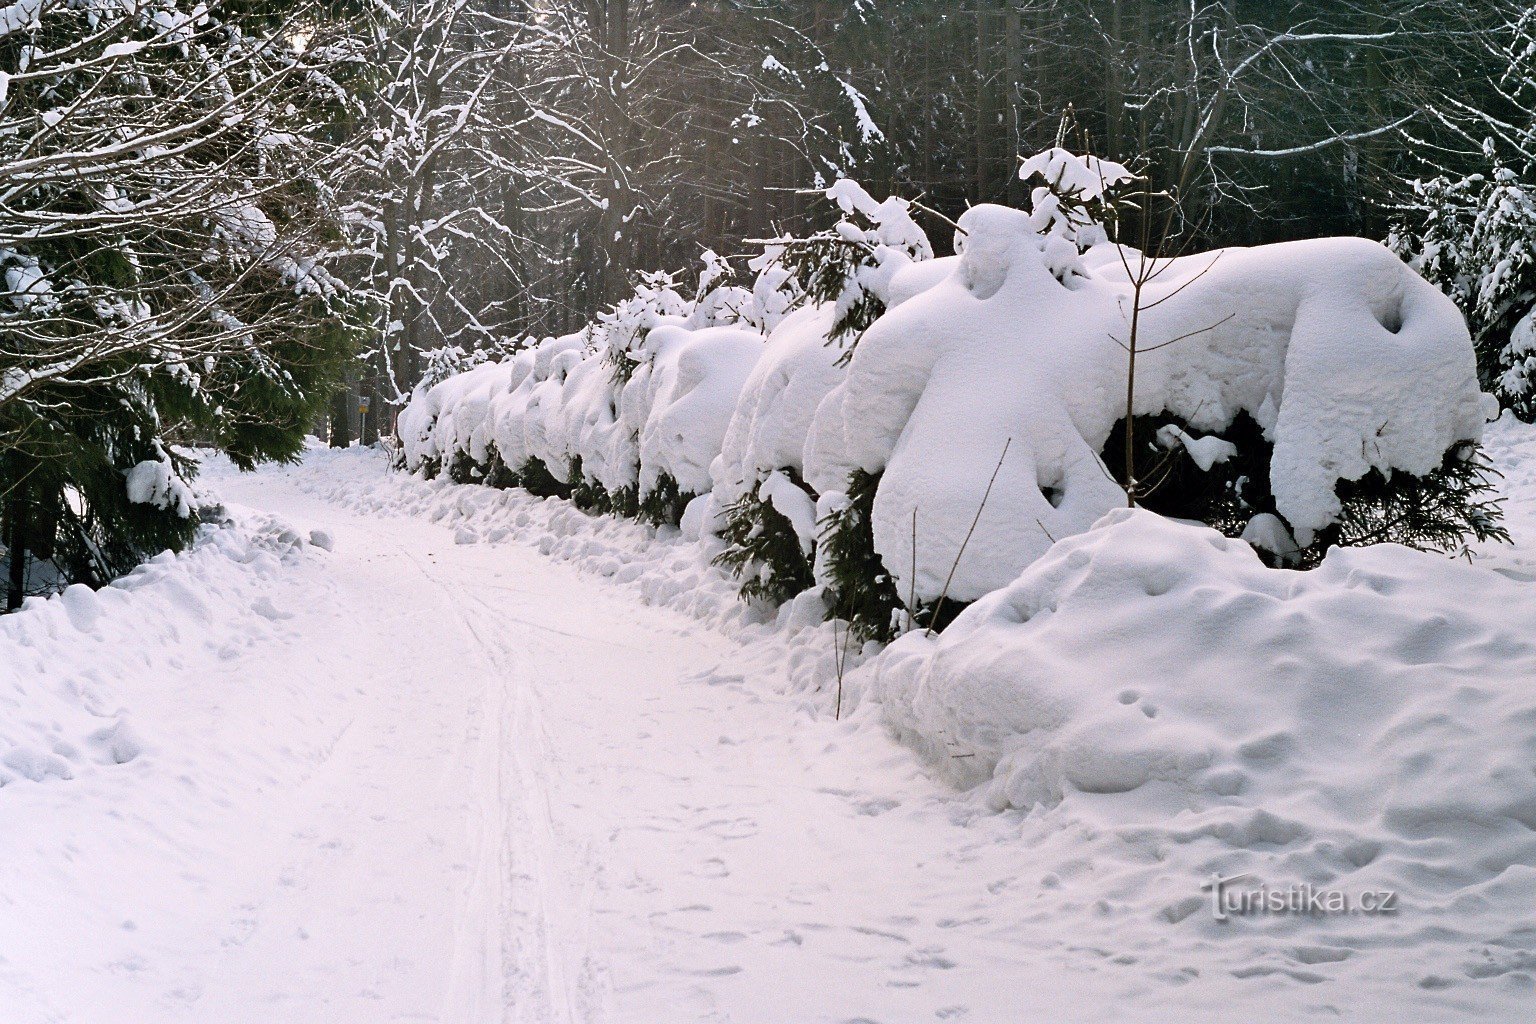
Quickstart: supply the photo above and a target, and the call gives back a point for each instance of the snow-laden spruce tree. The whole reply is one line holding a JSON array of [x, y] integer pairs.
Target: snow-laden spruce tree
[[1477, 240], [818, 294], [164, 238], [1474, 234], [1308, 394]]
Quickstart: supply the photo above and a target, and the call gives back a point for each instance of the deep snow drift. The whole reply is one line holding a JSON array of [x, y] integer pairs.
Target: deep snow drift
[[1366, 727], [58, 657]]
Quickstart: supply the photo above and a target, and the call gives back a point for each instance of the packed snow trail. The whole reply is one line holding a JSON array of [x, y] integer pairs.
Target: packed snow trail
[[413, 780], [649, 840]]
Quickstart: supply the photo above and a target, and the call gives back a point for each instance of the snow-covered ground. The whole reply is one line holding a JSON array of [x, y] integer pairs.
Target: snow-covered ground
[[468, 756]]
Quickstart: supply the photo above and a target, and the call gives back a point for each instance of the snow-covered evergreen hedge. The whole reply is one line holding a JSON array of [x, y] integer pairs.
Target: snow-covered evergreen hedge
[[916, 437]]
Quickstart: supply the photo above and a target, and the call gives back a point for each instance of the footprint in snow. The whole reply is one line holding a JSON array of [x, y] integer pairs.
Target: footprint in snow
[[714, 867], [876, 806], [36, 765], [117, 743], [264, 607]]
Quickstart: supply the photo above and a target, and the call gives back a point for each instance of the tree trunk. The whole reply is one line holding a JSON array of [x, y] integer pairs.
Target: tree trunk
[[341, 416], [16, 551]]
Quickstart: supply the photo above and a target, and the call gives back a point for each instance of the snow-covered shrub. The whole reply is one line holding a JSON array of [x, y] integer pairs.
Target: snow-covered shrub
[[562, 418], [415, 427], [769, 533], [438, 364], [508, 419], [693, 386], [443, 419], [860, 590], [842, 280], [850, 266], [720, 302], [620, 332], [1298, 396], [765, 547], [1222, 480], [1347, 360], [1477, 241], [590, 425], [1077, 196]]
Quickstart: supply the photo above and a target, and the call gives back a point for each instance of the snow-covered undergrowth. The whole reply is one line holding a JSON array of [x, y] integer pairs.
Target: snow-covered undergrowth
[[60, 716], [909, 431], [1158, 706]]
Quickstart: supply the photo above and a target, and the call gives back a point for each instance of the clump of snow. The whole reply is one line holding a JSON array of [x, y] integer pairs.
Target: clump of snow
[[1266, 532], [892, 243], [1205, 452], [1065, 172], [793, 504], [1347, 359], [156, 482], [693, 388], [19, 16], [796, 371]]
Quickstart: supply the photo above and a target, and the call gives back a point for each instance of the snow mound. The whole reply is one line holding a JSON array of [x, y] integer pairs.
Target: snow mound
[[1371, 720], [1347, 359], [796, 371], [695, 381], [60, 656]]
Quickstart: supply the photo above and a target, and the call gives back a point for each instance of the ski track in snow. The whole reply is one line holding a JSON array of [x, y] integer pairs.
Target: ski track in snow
[[438, 775]]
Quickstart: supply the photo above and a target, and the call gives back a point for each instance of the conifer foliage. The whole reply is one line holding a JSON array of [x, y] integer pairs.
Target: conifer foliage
[[165, 232]]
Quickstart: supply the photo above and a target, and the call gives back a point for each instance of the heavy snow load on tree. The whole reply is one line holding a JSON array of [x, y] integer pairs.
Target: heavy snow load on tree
[[509, 425], [519, 368], [1113, 682], [543, 434], [590, 424], [461, 428], [692, 389], [442, 419], [796, 371], [1347, 359]]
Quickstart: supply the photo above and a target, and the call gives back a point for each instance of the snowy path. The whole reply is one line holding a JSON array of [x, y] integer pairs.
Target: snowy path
[[419, 781], [649, 839], [438, 776]]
